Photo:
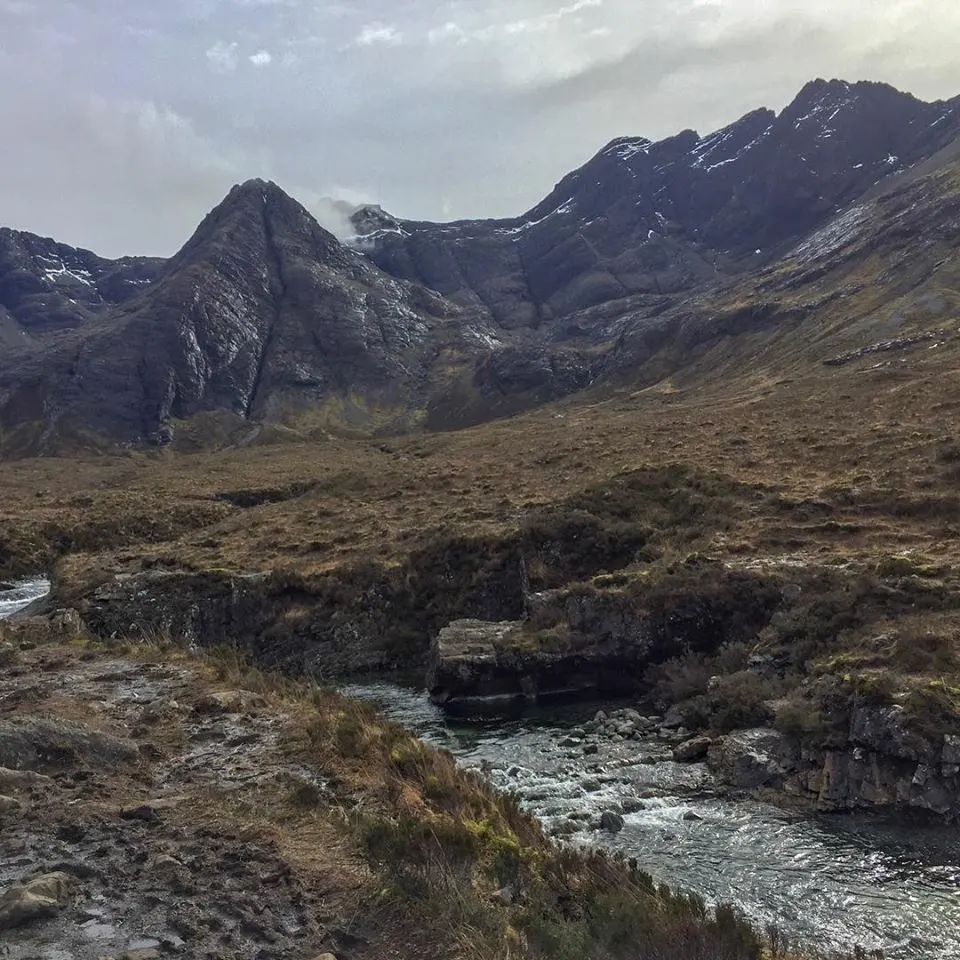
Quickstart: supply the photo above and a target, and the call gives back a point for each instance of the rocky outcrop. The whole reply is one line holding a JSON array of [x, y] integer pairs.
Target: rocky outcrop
[[749, 759], [347, 621], [599, 614], [475, 666], [886, 764], [585, 640]]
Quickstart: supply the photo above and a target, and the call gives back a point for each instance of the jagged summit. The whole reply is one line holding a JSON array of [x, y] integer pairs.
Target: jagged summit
[[261, 314], [371, 218], [658, 218], [265, 315], [253, 215]]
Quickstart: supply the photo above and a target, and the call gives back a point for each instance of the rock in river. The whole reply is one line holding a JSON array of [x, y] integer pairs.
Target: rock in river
[[611, 821], [752, 758], [692, 750], [476, 665]]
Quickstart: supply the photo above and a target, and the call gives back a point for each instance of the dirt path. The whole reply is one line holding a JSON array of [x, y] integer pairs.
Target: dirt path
[[158, 796]]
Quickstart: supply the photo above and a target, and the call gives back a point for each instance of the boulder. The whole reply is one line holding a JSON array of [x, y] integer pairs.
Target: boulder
[[692, 750], [36, 744], [37, 899], [752, 758], [62, 626], [950, 754], [611, 821], [465, 665]]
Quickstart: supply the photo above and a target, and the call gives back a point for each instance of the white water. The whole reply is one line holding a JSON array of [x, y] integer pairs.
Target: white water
[[23, 593], [832, 882]]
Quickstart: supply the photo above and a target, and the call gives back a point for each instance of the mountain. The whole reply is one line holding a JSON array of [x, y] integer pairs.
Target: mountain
[[636, 266], [47, 287], [663, 218], [261, 311]]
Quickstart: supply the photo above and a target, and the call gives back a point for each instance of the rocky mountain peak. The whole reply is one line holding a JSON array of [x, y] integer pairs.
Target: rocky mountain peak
[[262, 314], [645, 218], [266, 315], [251, 220], [372, 218]]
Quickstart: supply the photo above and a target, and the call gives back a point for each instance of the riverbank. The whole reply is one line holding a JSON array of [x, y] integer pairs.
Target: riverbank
[[202, 806], [655, 514], [833, 686], [886, 883]]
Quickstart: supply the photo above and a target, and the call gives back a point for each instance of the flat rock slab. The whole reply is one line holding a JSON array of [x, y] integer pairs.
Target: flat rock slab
[[40, 744], [14, 781], [477, 666]]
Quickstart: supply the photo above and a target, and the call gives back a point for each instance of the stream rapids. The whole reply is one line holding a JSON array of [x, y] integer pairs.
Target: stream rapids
[[832, 881]]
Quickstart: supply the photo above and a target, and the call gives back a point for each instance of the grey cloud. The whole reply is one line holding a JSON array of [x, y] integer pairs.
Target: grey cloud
[[135, 117]]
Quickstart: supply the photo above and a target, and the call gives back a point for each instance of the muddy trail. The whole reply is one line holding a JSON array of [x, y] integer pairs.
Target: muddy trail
[[142, 811]]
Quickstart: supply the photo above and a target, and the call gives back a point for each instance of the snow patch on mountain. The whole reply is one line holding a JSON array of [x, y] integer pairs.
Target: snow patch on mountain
[[55, 269], [836, 234]]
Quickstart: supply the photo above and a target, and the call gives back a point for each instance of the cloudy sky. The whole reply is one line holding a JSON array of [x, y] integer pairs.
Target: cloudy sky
[[124, 121]]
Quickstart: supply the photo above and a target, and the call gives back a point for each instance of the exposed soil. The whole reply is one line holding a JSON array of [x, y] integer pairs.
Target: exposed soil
[[164, 810]]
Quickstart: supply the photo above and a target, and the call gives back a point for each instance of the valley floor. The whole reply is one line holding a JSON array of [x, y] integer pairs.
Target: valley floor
[[831, 490]]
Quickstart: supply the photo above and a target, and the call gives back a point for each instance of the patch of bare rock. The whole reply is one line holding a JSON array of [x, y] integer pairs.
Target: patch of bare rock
[[116, 841]]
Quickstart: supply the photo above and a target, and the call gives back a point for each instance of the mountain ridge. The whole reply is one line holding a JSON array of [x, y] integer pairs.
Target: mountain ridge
[[692, 219], [264, 316]]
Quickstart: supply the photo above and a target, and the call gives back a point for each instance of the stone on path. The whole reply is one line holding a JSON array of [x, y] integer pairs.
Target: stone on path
[[37, 899]]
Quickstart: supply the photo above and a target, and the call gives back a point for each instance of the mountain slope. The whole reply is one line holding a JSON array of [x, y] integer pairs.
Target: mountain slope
[[47, 287], [261, 311], [678, 259], [667, 217]]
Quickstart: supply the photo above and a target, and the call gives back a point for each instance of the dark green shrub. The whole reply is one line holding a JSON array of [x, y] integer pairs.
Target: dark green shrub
[[925, 652], [802, 720], [738, 701]]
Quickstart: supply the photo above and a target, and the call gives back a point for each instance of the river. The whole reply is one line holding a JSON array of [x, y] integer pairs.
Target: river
[[828, 881], [15, 596], [831, 881]]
